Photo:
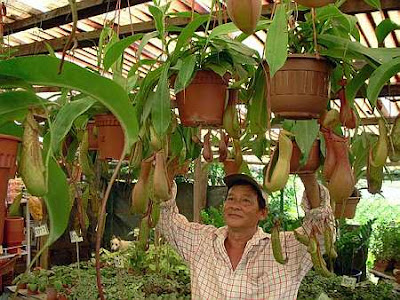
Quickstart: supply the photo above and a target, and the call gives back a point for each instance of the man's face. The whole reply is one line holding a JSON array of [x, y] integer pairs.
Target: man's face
[[241, 207]]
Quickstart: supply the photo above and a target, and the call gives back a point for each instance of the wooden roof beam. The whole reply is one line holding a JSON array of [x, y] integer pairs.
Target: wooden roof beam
[[62, 15]]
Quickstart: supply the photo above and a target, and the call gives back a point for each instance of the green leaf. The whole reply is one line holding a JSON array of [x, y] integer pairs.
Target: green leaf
[[43, 70], [146, 38], [185, 73], [117, 49], [277, 40], [357, 82], [374, 3], [223, 30], [65, 118], [305, 131], [57, 201], [18, 100], [158, 19], [13, 129], [176, 144], [187, 33], [259, 146], [261, 25], [384, 28], [257, 114], [161, 110], [13, 82], [379, 78]]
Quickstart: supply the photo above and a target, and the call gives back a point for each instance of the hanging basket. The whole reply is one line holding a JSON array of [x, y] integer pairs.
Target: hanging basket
[[312, 163], [347, 208], [202, 103], [110, 137], [300, 89], [8, 153]]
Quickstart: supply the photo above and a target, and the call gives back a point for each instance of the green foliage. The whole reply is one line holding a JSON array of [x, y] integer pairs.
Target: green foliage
[[386, 242], [314, 284], [213, 216]]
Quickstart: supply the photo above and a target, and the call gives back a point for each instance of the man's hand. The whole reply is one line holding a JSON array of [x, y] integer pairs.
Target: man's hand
[[312, 189]]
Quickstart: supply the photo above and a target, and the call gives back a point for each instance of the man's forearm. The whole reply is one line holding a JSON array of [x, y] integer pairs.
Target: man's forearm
[[312, 189]]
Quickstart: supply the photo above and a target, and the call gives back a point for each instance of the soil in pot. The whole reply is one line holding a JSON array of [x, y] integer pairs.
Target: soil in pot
[[8, 153], [300, 89], [202, 103], [14, 232], [312, 163], [110, 136]]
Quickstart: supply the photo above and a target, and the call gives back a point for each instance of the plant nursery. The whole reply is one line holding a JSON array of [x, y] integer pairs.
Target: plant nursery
[[200, 149]]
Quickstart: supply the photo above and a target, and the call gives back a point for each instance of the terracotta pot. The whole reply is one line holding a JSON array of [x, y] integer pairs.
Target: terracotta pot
[[381, 265], [231, 167], [300, 89], [8, 153], [92, 133], [314, 3], [203, 101], [51, 293], [312, 163], [14, 232], [110, 136], [62, 297], [347, 208]]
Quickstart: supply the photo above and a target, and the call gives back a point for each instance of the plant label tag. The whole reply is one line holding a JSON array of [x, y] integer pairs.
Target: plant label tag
[[119, 262], [41, 230], [75, 238], [349, 281], [1, 250], [323, 296]]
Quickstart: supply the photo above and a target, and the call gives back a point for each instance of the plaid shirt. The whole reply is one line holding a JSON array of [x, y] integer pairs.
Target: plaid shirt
[[258, 275]]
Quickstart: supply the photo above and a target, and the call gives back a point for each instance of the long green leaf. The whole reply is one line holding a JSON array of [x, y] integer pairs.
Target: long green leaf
[[258, 116], [158, 19], [146, 38], [118, 48], [306, 131], [223, 29], [188, 32], [261, 25], [384, 28], [65, 118], [13, 82], [379, 78], [277, 40], [161, 110], [374, 3], [18, 100], [357, 82], [185, 73], [44, 70], [57, 201]]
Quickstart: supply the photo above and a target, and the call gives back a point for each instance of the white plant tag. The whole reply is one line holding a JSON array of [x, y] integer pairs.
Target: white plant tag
[[119, 262], [75, 238], [41, 230], [349, 281]]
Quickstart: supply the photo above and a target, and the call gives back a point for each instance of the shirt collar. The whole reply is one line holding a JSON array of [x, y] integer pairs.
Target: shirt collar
[[222, 232]]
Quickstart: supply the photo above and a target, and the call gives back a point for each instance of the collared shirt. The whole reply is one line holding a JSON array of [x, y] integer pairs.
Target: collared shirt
[[258, 275]]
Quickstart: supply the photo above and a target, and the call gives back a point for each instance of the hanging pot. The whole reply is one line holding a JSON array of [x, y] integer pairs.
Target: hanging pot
[[110, 136], [314, 3], [203, 101], [300, 89], [347, 208], [312, 163], [8, 153], [92, 134], [381, 265], [14, 232]]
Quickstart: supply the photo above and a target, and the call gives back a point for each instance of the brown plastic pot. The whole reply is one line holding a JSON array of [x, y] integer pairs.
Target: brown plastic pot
[[347, 208], [14, 232], [203, 101], [312, 163], [231, 167], [314, 3], [92, 133], [8, 153], [381, 265], [110, 137], [300, 89]]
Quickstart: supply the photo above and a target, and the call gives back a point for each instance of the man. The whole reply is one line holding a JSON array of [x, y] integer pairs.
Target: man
[[236, 261]]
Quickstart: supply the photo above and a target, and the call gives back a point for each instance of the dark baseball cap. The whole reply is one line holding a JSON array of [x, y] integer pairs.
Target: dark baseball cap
[[241, 179]]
